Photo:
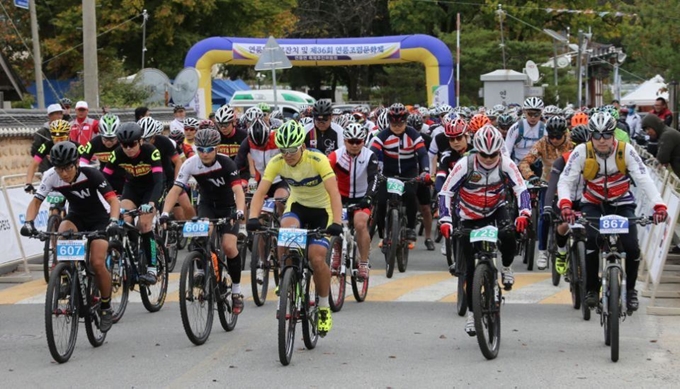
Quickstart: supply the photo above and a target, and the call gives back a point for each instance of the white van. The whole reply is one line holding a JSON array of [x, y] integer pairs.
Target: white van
[[289, 101]]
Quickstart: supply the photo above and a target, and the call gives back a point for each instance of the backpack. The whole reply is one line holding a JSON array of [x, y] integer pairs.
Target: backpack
[[591, 167], [521, 137]]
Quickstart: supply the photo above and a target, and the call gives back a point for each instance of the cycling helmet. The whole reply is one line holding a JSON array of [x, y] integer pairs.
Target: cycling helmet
[[253, 113], [65, 102], [580, 134], [551, 110], [613, 111], [344, 119], [424, 111], [414, 120], [129, 132], [505, 121], [149, 127], [337, 111], [383, 121], [205, 123], [579, 119], [455, 128], [159, 126], [602, 122], [177, 135], [556, 124], [292, 134], [264, 107], [355, 131], [499, 108], [445, 108], [358, 117], [449, 117], [59, 128], [534, 103], [568, 114], [460, 111], [258, 133], [305, 121], [488, 140], [208, 137], [224, 115], [64, 154], [275, 123], [276, 114], [397, 113], [478, 121], [322, 108], [191, 123], [108, 125]]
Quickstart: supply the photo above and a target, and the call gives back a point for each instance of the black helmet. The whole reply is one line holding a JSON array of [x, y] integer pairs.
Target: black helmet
[[556, 124], [65, 102], [322, 108], [397, 113], [258, 133], [415, 121], [64, 154], [129, 132], [208, 137], [580, 134]]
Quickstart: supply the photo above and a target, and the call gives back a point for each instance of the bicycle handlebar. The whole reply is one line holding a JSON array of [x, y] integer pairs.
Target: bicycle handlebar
[[70, 234]]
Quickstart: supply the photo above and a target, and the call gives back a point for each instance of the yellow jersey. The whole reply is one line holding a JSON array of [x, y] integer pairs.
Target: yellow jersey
[[305, 179]]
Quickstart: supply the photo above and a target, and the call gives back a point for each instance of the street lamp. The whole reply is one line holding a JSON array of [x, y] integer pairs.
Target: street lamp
[[556, 37]]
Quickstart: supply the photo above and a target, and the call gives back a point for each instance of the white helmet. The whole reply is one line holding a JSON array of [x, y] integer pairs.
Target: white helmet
[[488, 140], [383, 121], [424, 111], [253, 113], [149, 127], [499, 107], [224, 115], [355, 131], [190, 123], [337, 111], [533, 103], [552, 110], [305, 121], [602, 122], [449, 117], [445, 108]]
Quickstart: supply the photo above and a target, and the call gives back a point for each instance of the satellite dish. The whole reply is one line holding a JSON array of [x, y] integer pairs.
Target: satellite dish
[[185, 86], [563, 61], [531, 70], [155, 81], [621, 56]]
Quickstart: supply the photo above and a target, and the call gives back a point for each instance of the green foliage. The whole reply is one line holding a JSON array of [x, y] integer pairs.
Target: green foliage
[[27, 102], [402, 83], [112, 91]]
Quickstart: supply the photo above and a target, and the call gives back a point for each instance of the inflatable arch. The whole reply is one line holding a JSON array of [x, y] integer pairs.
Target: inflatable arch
[[429, 51]]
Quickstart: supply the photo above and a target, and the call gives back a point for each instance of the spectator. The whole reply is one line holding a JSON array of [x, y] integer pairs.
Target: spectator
[[141, 112], [668, 140], [661, 110], [83, 128], [178, 122], [54, 112], [66, 106], [616, 104], [634, 123]]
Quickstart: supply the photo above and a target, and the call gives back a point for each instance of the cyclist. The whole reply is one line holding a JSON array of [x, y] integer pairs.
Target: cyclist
[[403, 154], [66, 104], [230, 137], [505, 121], [457, 138], [89, 195], [356, 169], [322, 134], [314, 202], [606, 192], [143, 186], [59, 132], [479, 182], [178, 122], [424, 190], [548, 149], [190, 128], [177, 136], [523, 134], [54, 112], [101, 147]]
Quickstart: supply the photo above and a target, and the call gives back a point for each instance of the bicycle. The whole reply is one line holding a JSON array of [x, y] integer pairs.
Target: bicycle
[[57, 213], [613, 275], [170, 237], [198, 294], [264, 256], [126, 263], [457, 268], [395, 245], [298, 300], [527, 240], [72, 294]]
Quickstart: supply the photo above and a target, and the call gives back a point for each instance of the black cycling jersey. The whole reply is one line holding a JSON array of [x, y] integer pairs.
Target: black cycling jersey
[[214, 182], [45, 148], [324, 141], [143, 171], [97, 148], [168, 156], [86, 195], [229, 145]]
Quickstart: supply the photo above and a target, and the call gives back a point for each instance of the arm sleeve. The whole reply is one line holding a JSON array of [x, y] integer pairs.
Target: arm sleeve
[[332, 159], [112, 163], [38, 139], [85, 153], [423, 158], [555, 172], [45, 185], [234, 176], [157, 175], [434, 147], [242, 155], [511, 137], [372, 172], [570, 175], [530, 158], [451, 186], [185, 173], [442, 170], [638, 170]]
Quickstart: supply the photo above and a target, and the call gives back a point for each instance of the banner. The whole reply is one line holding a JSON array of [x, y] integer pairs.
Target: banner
[[19, 202], [323, 52], [440, 95], [659, 246]]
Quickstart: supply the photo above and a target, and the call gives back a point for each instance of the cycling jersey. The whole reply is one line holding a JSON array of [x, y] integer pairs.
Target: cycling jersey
[[260, 156], [305, 179], [480, 191], [518, 147], [82, 131], [229, 145], [168, 157], [548, 153], [86, 195], [97, 149], [555, 172], [214, 181], [440, 144], [177, 124], [188, 149], [324, 141], [144, 171], [402, 155], [356, 175], [445, 165], [44, 150]]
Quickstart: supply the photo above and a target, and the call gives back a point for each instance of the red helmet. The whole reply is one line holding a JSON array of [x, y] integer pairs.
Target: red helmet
[[455, 128], [478, 121]]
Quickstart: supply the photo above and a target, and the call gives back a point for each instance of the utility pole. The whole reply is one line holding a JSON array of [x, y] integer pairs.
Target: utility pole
[[37, 59], [90, 54], [145, 15]]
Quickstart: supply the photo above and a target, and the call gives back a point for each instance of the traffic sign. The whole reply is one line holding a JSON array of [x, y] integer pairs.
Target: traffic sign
[[272, 57], [21, 4]]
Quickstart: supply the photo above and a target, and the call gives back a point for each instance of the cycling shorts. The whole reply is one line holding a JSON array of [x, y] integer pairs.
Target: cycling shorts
[[346, 202], [85, 223], [207, 211], [310, 218], [138, 195], [424, 194]]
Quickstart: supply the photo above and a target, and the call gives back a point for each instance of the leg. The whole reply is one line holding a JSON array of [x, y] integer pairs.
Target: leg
[[632, 249], [281, 192], [592, 256], [230, 249], [361, 234], [322, 274], [382, 207]]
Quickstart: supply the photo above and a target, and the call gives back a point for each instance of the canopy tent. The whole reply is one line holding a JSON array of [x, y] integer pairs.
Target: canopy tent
[[223, 89], [646, 93]]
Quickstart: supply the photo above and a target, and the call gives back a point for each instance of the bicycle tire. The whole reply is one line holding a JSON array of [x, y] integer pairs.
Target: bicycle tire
[[242, 244], [202, 295], [359, 287], [486, 311], [581, 255], [393, 232], [614, 311], [552, 255], [259, 261], [287, 315], [574, 280], [92, 318], [153, 296], [171, 251], [338, 282], [310, 302], [52, 298], [225, 303], [403, 251], [448, 248], [49, 253], [120, 282], [461, 299], [182, 242], [530, 251]]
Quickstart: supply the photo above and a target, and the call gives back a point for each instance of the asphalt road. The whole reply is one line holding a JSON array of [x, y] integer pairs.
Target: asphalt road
[[405, 335]]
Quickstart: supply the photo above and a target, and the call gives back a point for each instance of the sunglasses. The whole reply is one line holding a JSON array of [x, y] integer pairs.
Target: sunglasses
[[533, 114], [489, 156], [205, 150], [189, 129], [129, 145], [355, 142], [108, 139], [61, 169], [223, 125], [289, 150], [555, 135], [599, 135], [398, 123], [59, 134], [456, 138], [322, 119]]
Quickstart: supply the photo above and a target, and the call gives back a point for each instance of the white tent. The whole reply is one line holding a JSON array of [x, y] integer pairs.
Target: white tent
[[646, 93]]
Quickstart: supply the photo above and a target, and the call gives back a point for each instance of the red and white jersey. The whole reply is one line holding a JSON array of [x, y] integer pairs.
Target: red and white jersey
[[260, 155], [356, 175]]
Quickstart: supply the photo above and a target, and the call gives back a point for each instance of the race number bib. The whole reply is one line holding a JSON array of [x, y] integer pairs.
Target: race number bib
[[269, 205], [613, 224], [71, 250], [55, 198], [292, 237], [345, 217], [196, 229], [485, 234], [395, 186]]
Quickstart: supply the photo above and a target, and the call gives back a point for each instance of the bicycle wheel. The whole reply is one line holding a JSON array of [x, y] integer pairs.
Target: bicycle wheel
[[259, 269], [580, 261], [530, 250], [120, 282], [372, 223], [336, 297], [287, 314], [310, 303], [392, 238], [448, 247], [171, 250], [224, 302], [182, 242], [574, 280], [486, 309], [153, 296], [612, 319], [359, 287], [461, 299], [49, 252], [551, 245], [402, 253], [92, 318], [242, 245], [196, 298], [61, 312]]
